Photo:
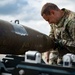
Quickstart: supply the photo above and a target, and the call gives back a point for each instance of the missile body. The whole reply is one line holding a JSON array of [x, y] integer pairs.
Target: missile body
[[17, 39]]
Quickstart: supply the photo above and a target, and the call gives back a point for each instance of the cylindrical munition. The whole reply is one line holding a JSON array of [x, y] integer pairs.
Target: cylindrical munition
[[17, 39]]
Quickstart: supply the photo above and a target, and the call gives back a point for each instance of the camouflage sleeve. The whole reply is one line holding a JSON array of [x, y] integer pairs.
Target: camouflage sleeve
[[51, 35], [71, 29]]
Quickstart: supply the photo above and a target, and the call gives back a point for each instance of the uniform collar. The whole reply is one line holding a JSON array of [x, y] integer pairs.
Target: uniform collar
[[63, 19]]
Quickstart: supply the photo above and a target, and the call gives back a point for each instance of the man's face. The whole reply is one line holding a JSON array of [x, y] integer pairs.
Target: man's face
[[51, 18]]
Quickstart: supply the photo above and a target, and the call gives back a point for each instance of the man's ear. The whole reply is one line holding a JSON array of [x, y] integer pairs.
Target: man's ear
[[52, 11]]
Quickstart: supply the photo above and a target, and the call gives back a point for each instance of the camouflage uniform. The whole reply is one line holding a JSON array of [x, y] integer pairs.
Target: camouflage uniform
[[65, 31]]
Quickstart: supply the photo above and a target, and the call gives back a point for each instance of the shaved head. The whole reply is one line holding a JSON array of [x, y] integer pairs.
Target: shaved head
[[47, 7]]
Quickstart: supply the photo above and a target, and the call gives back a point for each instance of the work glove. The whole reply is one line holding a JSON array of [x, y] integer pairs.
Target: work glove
[[60, 43]]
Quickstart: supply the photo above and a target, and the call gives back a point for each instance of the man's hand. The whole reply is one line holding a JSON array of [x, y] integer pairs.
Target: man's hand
[[60, 43]]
